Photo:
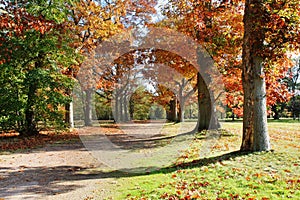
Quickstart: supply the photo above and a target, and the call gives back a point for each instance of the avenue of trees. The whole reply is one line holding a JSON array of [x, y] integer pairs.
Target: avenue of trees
[[44, 44]]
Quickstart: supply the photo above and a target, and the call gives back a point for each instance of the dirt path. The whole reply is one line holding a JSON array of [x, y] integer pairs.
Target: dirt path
[[67, 171], [60, 171]]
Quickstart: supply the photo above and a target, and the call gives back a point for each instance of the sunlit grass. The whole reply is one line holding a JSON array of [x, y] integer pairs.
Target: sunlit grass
[[225, 175]]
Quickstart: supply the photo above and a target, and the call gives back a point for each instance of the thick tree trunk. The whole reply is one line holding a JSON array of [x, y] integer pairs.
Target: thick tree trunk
[[261, 137], [248, 108], [255, 133], [171, 112], [204, 105], [88, 108], [207, 118], [179, 113]]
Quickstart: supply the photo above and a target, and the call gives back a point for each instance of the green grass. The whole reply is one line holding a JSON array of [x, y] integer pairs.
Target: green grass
[[225, 173]]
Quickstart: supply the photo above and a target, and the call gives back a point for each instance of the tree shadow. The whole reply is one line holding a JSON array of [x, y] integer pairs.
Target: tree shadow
[[63, 179], [141, 171]]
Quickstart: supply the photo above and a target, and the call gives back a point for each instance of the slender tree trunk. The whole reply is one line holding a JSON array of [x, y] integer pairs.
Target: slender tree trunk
[[88, 108], [71, 115], [125, 103], [294, 105], [121, 109], [30, 124], [255, 133], [67, 114], [69, 118], [117, 112], [131, 109], [181, 103]]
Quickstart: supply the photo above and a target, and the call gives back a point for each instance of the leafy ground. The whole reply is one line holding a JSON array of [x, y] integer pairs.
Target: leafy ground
[[225, 174], [57, 166], [10, 142]]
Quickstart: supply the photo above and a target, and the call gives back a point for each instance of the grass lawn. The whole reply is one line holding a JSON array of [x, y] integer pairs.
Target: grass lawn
[[225, 173]]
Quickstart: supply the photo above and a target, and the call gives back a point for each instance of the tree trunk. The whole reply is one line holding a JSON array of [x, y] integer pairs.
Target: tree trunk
[[125, 102], [276, 112], [131, 108], [207, 118], [171, 112], [121, 109], [71, 115], [204, 105], [116, 111], [88, 108], [248, 107], [181, 102], [255, 133], [30, 127], [67, 114], [69, 118], [261, 137]]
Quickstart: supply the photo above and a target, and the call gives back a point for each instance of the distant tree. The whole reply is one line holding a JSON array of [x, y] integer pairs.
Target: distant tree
[[293, 82], [141, 101]]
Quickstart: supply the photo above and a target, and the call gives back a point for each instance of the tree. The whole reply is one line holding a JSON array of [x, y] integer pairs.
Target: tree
[[141, 101], [205, 22], [218, 26], [34, 52], [92, 22], [294, 86], [269, 31]]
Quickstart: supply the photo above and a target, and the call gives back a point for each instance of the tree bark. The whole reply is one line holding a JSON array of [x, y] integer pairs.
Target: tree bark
[[248, 107], [276, 112], [131, 108], [207, 118], [204, 105], [171, 112], [255, 132], [67, 114], [30, 127], [71, 115], [261, 137], [116, 110], [88, 108], [121, 108], [125, 102]]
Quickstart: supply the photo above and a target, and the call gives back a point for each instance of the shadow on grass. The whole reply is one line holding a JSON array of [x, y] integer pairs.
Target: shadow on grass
[[51, 180], [189, 165]]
